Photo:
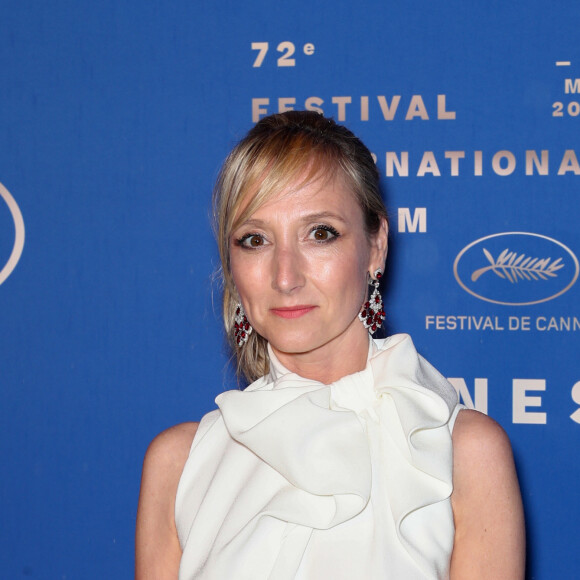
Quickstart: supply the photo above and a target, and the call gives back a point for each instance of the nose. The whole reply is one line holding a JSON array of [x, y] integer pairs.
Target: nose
[[288, 269]]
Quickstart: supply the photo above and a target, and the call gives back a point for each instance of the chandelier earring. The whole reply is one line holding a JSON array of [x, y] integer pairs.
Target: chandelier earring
[[372, 313], [242, 327]]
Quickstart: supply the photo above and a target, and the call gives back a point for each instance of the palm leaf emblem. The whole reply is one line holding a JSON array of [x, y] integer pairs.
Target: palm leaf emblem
[[513, 267]]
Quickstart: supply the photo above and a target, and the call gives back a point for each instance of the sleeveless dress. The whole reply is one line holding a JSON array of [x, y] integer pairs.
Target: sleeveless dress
[[294, 479]]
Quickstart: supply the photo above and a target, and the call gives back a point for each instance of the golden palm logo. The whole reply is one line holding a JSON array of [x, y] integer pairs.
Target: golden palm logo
[[526, 268], [512, 267]]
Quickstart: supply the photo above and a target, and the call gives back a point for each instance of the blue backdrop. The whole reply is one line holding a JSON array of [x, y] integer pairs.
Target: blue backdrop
[[114, 119]]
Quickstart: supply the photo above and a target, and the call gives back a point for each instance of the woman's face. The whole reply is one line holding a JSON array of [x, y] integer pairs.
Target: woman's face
[[300, 266]]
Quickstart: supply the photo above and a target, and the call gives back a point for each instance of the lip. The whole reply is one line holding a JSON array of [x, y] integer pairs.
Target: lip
[[293, 311]]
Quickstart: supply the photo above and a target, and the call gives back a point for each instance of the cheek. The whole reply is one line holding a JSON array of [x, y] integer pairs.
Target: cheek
[[346, 276], [237, 269], [358, 287], [248, 276]]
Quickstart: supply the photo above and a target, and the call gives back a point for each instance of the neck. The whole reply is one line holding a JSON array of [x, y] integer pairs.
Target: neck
[[330, 362]]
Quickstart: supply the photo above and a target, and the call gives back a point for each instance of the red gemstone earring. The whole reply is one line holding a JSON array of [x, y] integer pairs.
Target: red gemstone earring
[[242, 328], [372, 313]]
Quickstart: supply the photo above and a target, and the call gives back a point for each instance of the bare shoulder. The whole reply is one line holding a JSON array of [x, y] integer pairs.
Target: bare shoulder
[[487, 507], [482, 458], [157, 546], [171, 447], [478, 437]]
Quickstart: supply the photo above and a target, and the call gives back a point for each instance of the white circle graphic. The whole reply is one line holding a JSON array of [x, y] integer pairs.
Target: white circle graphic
[[18, 236]]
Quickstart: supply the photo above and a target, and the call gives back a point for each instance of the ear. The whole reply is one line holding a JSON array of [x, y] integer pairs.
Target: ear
[[379, 247]]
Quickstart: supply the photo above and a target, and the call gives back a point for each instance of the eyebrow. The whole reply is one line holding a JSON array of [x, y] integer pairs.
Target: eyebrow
[[311, 217]]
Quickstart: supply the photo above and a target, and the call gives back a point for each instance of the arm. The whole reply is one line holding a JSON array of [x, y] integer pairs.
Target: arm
[[157, 550], [487, 506]]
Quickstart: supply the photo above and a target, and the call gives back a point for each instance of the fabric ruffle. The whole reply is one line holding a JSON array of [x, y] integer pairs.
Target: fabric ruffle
[[302, 457]]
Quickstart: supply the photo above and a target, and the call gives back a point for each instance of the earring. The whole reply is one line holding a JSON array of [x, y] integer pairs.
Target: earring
[[372, 313], [242, 328]]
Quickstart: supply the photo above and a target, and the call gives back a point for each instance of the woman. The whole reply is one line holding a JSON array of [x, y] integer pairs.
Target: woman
[[347, 457]]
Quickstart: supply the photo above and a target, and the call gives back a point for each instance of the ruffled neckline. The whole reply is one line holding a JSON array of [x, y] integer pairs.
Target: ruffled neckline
[[316, 437]]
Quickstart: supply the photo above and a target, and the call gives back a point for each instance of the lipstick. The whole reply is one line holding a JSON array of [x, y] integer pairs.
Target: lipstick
[[293, 311]]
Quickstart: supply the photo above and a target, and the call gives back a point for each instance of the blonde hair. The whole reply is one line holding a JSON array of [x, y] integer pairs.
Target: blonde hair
[[282, 151]]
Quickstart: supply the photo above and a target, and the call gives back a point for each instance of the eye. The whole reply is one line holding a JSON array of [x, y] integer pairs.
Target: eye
[[323, 233], [251, 241]]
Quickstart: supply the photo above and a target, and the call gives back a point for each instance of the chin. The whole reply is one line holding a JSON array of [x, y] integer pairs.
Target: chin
[[291, 340]]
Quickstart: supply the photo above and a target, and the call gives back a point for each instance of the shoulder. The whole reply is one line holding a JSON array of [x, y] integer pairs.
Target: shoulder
[[486, 501], [477, 436], [171, 447], [163, 464], [482, 456], [157, 546]]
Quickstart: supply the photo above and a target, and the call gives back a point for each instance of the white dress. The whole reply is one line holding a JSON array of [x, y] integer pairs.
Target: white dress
[[293, 479]]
